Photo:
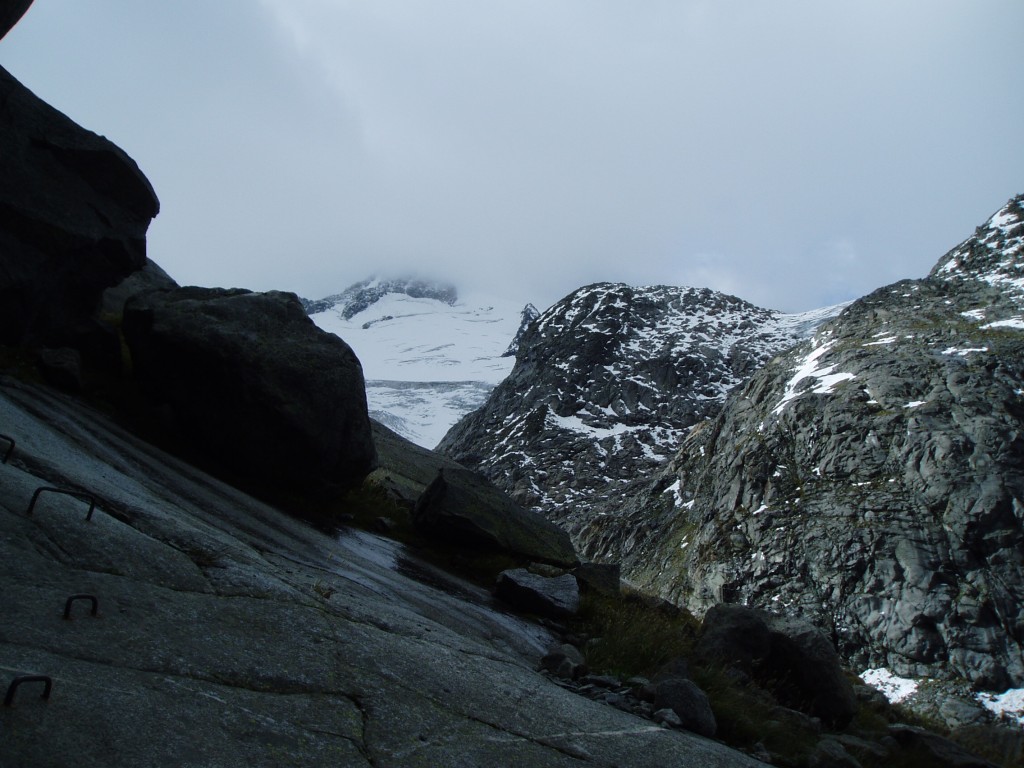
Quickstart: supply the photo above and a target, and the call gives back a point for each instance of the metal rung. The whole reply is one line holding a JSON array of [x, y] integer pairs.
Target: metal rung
[[9, 698], [76, 494], [91, 598]]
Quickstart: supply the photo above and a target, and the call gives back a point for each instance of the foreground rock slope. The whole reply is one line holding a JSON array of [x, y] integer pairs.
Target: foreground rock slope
[[871, 479], [230, 634]]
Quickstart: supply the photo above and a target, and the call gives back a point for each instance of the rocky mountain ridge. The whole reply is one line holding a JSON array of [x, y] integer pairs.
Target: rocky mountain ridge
[[606, 384], [870, 479]]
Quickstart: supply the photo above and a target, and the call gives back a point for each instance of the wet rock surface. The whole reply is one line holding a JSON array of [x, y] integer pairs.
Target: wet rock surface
[[229, 633]]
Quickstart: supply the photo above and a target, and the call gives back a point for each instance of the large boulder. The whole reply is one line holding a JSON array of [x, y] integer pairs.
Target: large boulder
[[461, 505], [74, 210], [554, 596], [247, 379], [790, 657]]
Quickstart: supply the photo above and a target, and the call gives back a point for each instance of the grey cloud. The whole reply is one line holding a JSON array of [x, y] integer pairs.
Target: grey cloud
[[793, 153]]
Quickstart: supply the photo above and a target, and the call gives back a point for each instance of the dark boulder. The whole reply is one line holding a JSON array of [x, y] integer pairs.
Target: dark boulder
[[934, 750], [564, 661], [249, 381], [602, 578], [808, 671], [10, 12], [689, 702], [74, 210], [789, 657], [734, 634], [463, 506], [552, 596], [150, 278]]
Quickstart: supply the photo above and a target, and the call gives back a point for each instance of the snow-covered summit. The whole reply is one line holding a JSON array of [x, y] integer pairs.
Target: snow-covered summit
[[429, 355], [994, 253], [994, 258]]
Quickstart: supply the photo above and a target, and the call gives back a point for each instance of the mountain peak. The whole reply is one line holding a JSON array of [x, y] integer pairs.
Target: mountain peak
[[362, 295], [994, 253]]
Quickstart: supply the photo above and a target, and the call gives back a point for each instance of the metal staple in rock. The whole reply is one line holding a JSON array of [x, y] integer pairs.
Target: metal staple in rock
[[76, 494], [91, 598], [45, 679]]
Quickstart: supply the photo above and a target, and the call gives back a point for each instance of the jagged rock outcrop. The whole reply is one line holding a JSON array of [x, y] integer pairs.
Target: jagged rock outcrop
[[74, 210], [250, 383], [871, 480], [605, 385], [529, 316]]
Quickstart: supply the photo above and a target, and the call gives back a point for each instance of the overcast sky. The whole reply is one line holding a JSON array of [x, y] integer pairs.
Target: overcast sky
[[795, 153]]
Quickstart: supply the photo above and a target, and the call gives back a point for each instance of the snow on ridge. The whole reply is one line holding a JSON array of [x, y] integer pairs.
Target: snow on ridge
[[809, 368], [1003, 238]]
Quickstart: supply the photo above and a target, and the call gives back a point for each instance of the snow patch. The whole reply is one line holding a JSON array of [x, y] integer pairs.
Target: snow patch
[[808, 368], [1007, 704], [1013, 322], [893, 687], [963, 352]]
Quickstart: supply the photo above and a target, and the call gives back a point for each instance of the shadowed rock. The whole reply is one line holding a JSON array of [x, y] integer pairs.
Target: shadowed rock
[[460, 505], [554, 596], [689, 703], [249, 380], [788, 656], [74, 210], [10, 12]]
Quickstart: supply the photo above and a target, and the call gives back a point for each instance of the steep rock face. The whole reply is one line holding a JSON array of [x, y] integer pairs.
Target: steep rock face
[[74, 210], [606, 383], [872, 479], [234, 369]]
